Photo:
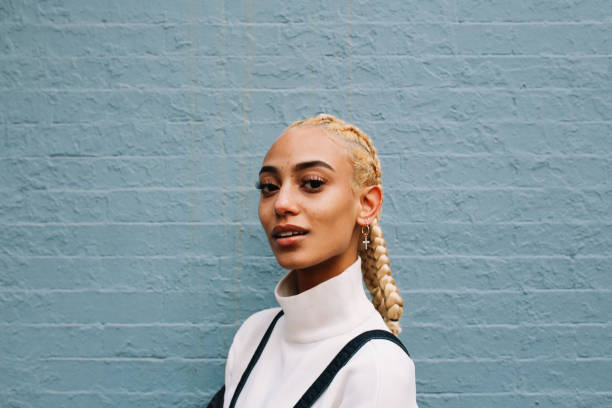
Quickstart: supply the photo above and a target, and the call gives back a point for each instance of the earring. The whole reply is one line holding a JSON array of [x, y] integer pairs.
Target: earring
[[366, 234]]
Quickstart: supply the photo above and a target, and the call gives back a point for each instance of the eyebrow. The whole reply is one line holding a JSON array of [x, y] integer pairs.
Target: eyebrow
[[298, 167]]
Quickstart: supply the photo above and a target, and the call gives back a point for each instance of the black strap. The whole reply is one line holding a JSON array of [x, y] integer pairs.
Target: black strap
[[217, 400], [324, 380], [258, 351]]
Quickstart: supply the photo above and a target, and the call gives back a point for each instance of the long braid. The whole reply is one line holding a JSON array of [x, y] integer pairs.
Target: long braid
[[375, 260]]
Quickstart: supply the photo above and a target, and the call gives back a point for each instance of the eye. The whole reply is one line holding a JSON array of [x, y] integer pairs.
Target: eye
[[313, 184], [266, 187]]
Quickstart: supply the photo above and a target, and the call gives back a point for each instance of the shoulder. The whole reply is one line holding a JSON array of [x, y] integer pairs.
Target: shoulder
[[246, 341], [395, 374], [387, 371], [255, 325]]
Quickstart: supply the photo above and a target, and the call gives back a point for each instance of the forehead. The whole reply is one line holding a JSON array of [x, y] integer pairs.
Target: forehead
[[308, 143]]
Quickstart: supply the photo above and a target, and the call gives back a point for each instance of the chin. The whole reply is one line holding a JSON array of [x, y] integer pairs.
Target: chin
[[289, 263], [293, 261]]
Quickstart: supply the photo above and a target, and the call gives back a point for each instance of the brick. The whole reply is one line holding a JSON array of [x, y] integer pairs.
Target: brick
[[155, 274], [61, 107], [500, 240], [507, 376], [114, 11], [157, 399], [500, 272], [140, 138], [130, 240], [116, 307], [498, 205], [520, 342], [424, 171], [508, 307], [90, 106], [111, 73], [142, 376], [152, 341], [549, 10], [487, 71], [532, 39], [81, 40], [362, 11], [560, 399], [92, 173]]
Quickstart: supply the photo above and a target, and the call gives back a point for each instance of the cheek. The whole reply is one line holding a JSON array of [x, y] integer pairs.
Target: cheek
[[262, 212], [337, 213]]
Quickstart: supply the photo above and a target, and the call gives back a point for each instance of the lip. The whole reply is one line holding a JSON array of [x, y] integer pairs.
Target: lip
[[288, 241]]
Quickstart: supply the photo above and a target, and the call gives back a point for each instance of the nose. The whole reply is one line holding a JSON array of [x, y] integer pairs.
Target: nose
[[285, 203]]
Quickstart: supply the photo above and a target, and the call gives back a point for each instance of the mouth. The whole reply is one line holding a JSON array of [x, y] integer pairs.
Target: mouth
[[288, 235]]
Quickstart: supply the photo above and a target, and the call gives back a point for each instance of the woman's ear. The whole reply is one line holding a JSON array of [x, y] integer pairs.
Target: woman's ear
[[370, 201]]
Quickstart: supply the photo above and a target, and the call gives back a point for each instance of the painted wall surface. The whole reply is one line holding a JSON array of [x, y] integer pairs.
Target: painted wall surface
[[131, 132]]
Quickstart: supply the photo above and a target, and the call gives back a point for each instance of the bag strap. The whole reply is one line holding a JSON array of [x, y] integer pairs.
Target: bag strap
[[256, 355], [324, 380]]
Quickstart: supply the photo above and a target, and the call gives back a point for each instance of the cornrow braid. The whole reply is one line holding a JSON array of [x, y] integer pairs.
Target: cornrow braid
[[375, 259]]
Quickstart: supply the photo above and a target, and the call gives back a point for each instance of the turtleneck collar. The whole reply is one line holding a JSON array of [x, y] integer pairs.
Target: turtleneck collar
[[329, 309]]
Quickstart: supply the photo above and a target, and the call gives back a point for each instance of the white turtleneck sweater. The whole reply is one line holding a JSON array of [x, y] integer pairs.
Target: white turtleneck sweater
[[316, 324]]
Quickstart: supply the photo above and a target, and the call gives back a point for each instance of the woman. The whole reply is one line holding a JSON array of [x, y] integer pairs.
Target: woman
[[320, 201]]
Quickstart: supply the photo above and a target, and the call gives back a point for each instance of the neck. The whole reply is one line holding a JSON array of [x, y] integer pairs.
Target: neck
[[332, 308], [312, 276]]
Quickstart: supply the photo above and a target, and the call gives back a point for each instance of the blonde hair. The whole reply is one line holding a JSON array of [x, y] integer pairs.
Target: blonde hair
[[375, 260]]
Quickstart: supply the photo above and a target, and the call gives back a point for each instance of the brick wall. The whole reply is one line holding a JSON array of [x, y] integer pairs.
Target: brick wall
[[130, 136]]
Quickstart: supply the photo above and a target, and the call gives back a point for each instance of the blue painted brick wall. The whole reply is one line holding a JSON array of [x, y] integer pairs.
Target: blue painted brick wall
[[131, 132]]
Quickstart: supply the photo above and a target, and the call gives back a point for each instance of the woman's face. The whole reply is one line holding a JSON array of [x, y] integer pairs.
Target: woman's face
[[307, 207]]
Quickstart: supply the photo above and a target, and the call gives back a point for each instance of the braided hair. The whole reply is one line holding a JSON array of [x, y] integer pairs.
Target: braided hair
[[375, 259]]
